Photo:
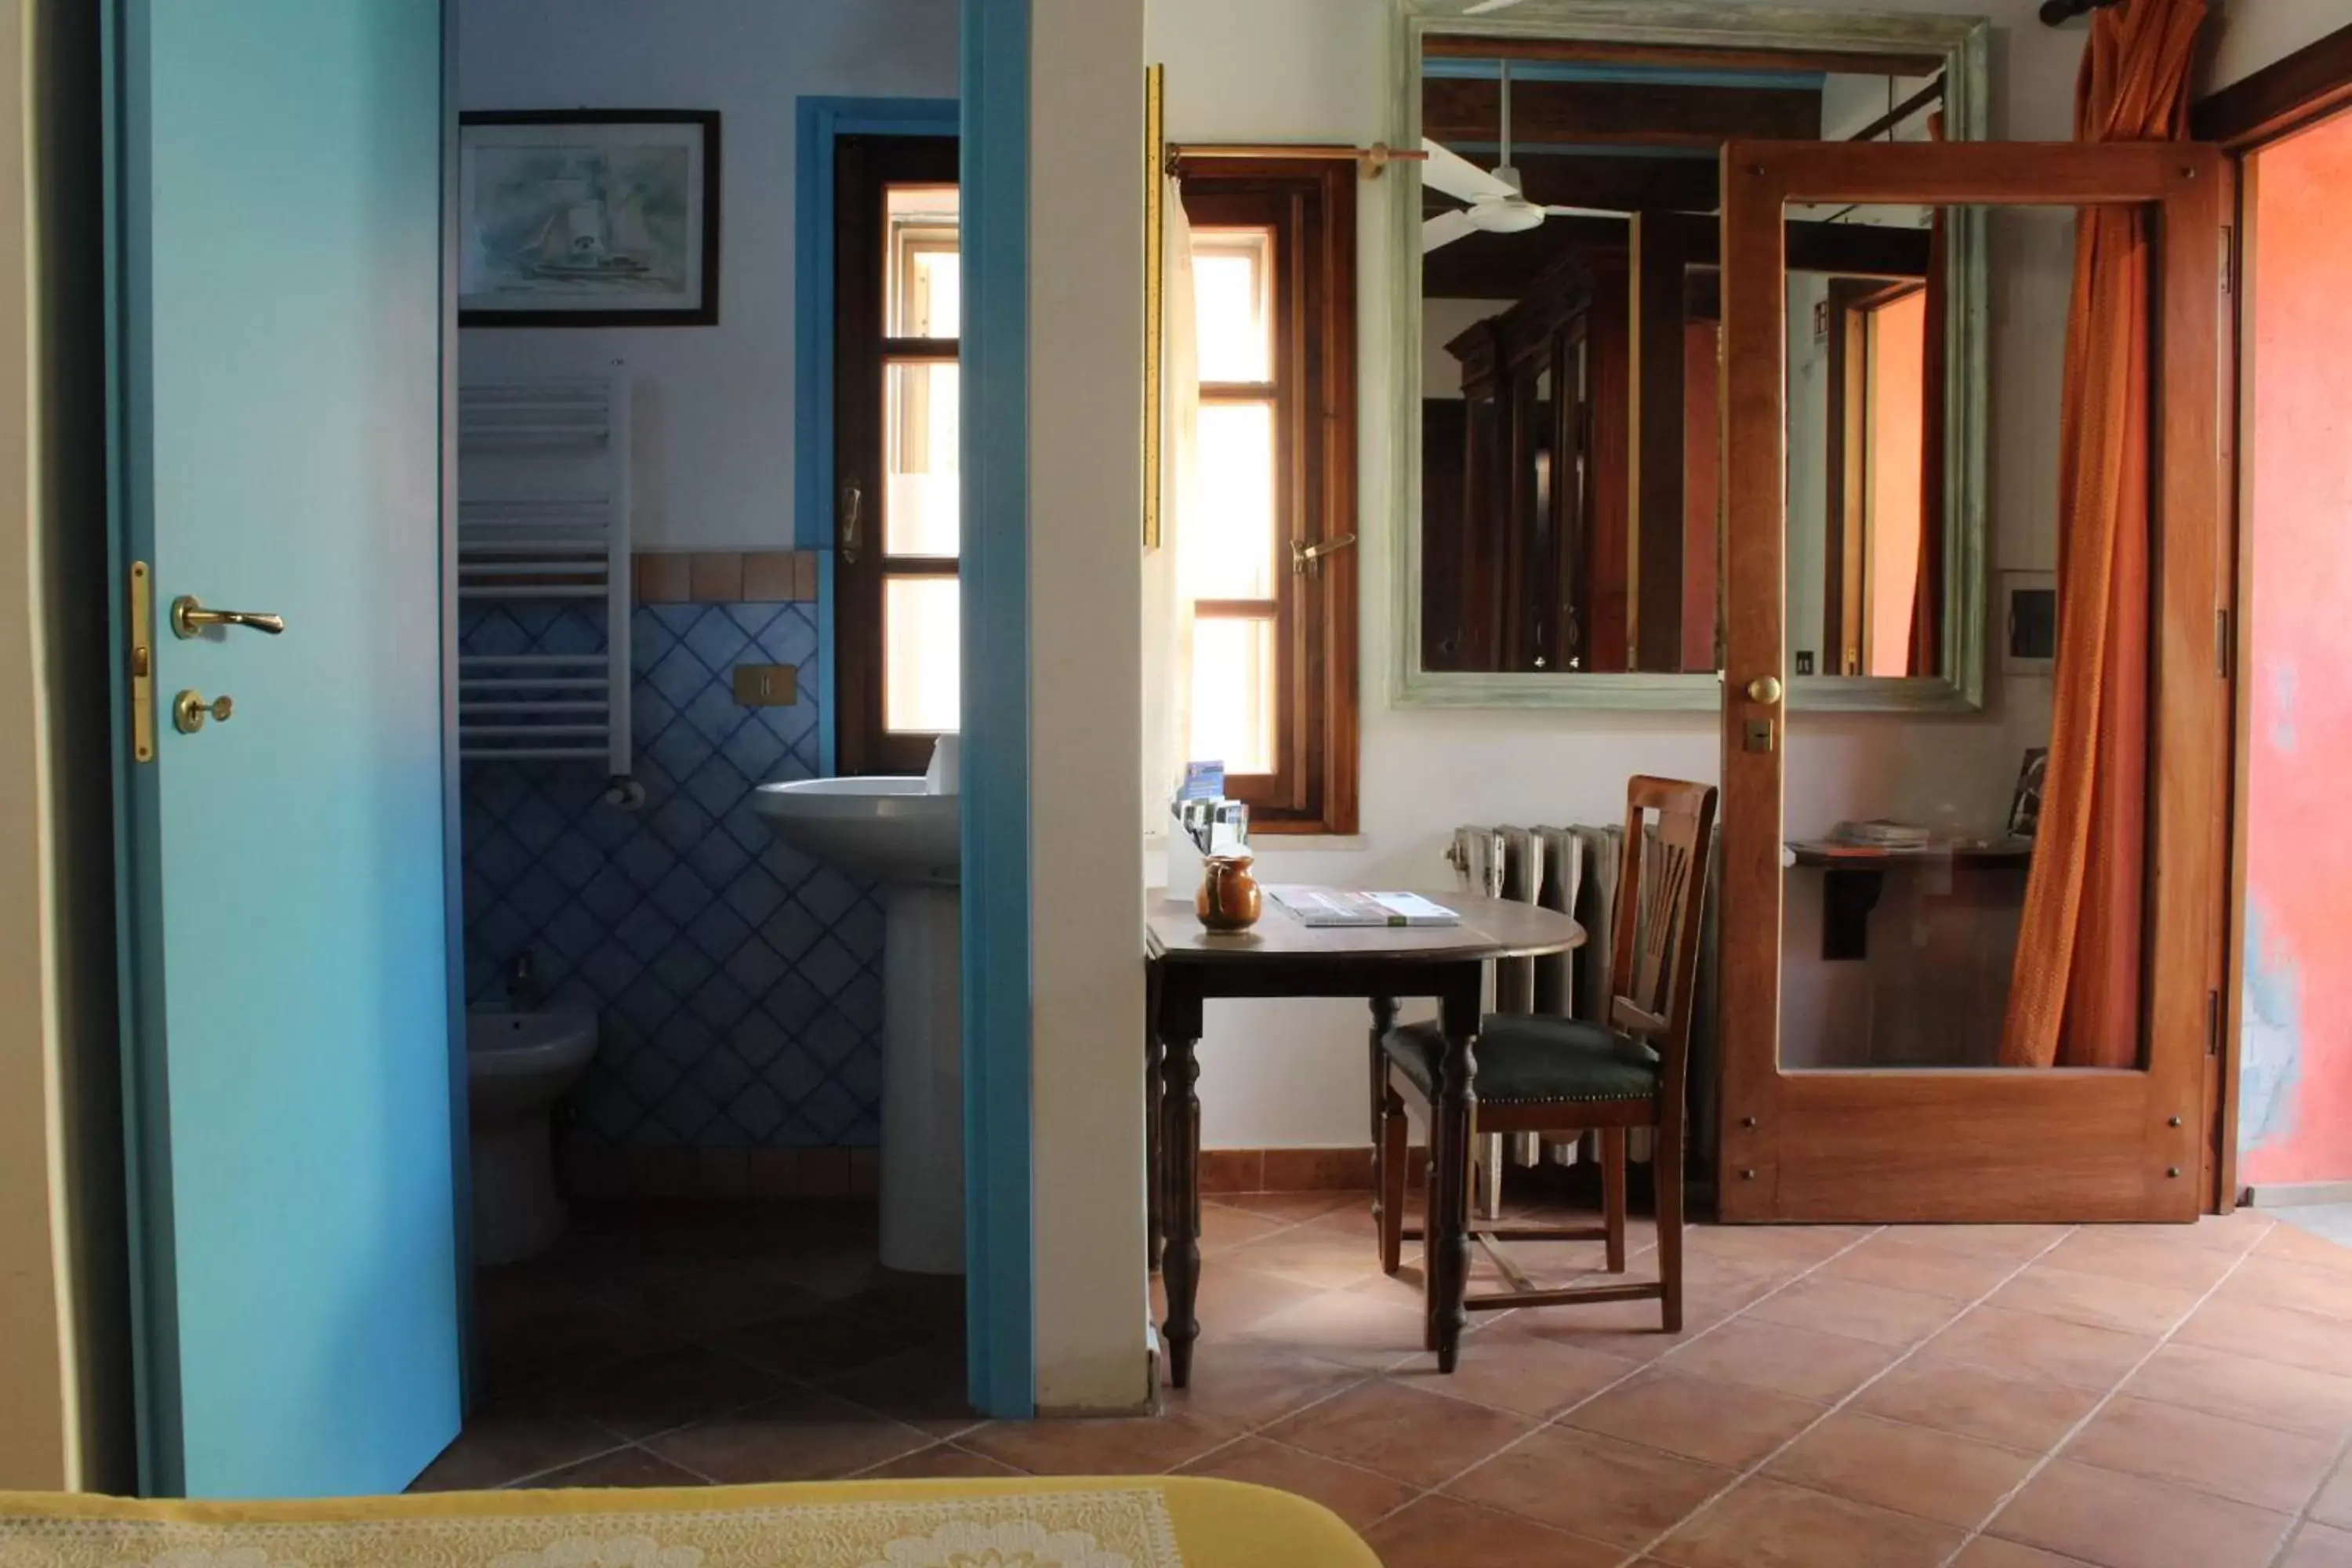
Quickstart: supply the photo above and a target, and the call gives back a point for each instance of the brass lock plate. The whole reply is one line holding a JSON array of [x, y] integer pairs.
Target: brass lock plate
[[1757, 734], [189, 712], [142, 663]]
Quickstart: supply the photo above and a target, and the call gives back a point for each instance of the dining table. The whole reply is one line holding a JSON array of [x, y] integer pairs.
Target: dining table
[[1280, 956]]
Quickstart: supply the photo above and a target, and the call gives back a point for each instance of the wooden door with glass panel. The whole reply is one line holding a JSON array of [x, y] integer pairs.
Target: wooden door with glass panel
[[897, 281], [1876, 867]]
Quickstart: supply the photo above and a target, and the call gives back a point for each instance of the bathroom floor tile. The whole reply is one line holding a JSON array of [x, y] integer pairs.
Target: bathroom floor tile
[[1118, 1446], [496, 1449], [804, 1437], [621, 1468]]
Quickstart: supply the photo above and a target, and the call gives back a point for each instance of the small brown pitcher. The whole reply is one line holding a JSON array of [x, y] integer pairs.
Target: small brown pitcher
[[1229, 898]]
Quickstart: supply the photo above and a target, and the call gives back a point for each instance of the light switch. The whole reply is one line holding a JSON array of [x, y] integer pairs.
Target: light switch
[[767, 685]]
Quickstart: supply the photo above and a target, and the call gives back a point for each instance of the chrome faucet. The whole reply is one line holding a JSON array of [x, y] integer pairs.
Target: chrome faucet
[[522, 983]]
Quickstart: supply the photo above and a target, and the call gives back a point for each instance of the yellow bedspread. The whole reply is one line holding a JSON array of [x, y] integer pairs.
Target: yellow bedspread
[[1127, 1522]]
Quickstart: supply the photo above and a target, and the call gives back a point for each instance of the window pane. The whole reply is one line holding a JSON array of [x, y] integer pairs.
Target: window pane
[[921, 650], [920, 417], [1228, 547], [1232, 694], [1232, 304], [925, 271]]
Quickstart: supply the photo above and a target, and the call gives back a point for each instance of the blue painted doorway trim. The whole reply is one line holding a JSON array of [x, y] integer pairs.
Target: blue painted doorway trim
[[1002, 1358], [821, 122]]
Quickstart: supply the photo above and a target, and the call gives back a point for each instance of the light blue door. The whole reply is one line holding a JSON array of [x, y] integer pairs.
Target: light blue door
[[276, 185]]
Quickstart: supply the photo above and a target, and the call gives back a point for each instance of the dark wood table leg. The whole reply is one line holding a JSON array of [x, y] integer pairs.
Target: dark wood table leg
[[1449, 1205], [1155, 1183], [1179, 1151], [1384, 1014]]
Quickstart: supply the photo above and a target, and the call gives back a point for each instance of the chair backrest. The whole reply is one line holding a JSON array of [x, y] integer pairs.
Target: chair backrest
[[1661, 895]]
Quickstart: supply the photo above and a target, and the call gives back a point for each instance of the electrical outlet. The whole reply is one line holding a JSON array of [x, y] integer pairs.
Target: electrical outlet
[[767, 685]]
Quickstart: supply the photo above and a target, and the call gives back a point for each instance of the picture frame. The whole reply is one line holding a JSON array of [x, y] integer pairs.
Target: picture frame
[[591, 217]]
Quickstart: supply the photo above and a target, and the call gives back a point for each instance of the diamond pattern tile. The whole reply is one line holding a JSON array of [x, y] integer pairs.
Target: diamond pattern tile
[[738, 984]]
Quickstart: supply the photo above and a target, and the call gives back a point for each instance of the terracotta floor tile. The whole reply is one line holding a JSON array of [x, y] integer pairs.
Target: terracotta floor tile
[[1908, 1261], [1765, 1354], [621, 1468], [1121, 1445], [2150, 1255], [1234, 1296], [2296, 1245], [2021, 1410], [2170, 1443], [1402, 1289], [2333, 1503], [1697, 1417], [2233, 1234], [2101, 1300], [2281, 1334], [1912, 1469], [1402, 1433], [495, 1449], [1991, 1552], [2018, 1242], [2125, 1521], [1627, 1330], [1526, 1377], [1338, 1326], [925, 1387], [804, 1437], [1223, 1227], [1356, 1495], [2319, 1546], [1767, 1524], [939, 1461], [1439, 1532], [652, 1393], [1803, 1244], [1243, 1385], [2046, 1347], [1291, 1208], [2264, 1393], [1593, 1485], [2282, 1282], [1858, 1310], [1323, 1256]]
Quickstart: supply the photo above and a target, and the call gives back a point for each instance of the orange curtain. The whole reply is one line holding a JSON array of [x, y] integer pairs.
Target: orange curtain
[[2075, 991], [1928, 595]]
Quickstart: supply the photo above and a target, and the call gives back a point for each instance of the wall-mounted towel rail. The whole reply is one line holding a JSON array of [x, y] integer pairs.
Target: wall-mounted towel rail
[[544, 517]]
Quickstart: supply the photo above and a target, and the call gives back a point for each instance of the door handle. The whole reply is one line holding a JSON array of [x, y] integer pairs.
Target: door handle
[[1306, 559], [189, 619], [1765, 689], [853, 508]]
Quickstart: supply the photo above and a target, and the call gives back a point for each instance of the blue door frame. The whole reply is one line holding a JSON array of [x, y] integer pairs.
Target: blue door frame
[[991, 119]]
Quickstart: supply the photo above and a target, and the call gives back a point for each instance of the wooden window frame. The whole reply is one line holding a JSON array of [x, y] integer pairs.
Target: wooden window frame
[[865, 168], [1309, 206]]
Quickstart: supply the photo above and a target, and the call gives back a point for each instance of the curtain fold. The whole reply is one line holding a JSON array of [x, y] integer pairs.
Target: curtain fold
[[1167, 610], [2076, 987], [1927, 591]]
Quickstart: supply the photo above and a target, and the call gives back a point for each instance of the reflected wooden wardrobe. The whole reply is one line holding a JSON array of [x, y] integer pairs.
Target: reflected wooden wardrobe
[[1953, 1135]]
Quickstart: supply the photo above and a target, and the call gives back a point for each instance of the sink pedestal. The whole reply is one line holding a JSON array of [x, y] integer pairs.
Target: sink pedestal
[[922, 1078]]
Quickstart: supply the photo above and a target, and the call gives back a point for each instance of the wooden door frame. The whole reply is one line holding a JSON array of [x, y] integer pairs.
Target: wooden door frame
[[2121, 1144]]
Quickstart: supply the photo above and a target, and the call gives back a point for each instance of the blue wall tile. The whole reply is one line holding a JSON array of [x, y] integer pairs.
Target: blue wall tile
[[738, 984]]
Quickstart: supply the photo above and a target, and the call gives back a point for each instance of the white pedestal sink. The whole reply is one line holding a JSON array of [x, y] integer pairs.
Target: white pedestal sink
[[891, 830]]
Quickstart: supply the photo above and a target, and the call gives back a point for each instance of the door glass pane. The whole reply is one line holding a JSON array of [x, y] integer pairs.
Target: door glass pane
[[921, 650], [923, 267], [920, 429], [1229, 550], [1232, 693], [1232, 304], [1908, 844]]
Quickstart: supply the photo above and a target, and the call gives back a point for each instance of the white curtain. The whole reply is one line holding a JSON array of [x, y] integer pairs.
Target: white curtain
[[1167, 611]]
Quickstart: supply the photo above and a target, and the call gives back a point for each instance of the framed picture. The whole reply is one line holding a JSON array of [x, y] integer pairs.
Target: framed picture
[[588, 218]]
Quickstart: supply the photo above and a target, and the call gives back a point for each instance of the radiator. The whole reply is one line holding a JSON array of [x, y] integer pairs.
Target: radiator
[[1573, 870]]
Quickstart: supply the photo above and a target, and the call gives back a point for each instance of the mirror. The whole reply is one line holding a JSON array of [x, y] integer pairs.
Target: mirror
[[1565, 516]]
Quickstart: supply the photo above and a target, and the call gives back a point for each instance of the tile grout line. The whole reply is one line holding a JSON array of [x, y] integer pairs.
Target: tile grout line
[[1631, 1372], [1756, 1469], [2303, 1516], [2050, 1456]]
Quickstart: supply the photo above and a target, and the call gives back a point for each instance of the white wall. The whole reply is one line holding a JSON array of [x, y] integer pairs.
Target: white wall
[[1085, 595], [2247, 34], [1291, 1074], [714, 405]]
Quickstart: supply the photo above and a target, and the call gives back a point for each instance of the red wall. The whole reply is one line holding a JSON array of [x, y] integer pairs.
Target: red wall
[[2296, 1108]]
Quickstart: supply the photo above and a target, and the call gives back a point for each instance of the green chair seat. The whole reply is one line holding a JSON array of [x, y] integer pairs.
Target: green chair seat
[[1526, 1059]]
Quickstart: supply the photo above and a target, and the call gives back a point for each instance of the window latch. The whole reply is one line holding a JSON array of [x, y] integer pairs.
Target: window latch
[[1307, 560]]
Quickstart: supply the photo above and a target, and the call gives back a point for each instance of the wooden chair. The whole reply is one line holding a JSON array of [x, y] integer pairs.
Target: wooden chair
[[1551, 1075]]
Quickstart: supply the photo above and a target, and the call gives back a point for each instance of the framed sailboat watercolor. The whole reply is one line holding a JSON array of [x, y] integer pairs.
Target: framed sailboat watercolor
[[588, 218]]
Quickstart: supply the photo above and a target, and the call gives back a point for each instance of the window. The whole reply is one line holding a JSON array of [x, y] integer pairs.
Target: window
[[898, 281], [1270, 569]]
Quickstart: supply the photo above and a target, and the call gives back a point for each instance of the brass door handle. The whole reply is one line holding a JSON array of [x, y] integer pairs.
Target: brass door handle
[[1764, 688], [189, 619], [189, 710], [1308, 558]]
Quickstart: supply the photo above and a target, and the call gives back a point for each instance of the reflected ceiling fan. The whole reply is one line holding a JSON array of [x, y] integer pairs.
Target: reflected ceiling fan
[[1498, 205]]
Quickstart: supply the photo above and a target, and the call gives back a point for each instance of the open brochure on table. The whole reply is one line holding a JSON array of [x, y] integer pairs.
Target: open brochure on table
[[1344, 907]]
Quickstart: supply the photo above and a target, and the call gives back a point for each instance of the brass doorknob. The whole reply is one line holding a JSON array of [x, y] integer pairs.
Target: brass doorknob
[[189, 710], [189, 619], [1764, 688]]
